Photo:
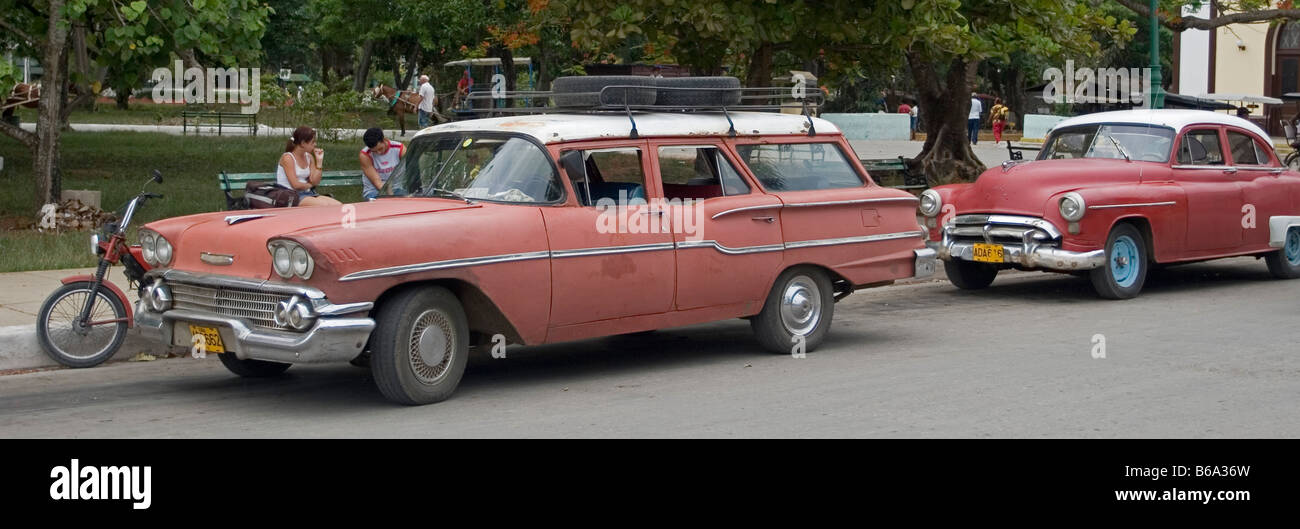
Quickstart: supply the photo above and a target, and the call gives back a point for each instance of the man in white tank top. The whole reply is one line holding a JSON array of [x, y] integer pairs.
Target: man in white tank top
[[378, 159]]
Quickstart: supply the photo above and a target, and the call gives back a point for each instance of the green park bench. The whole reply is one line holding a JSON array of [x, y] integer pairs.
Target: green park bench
[[895, 165], [195, 118], [239, 181]]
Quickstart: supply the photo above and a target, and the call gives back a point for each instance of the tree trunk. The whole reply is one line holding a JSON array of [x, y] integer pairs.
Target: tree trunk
[[413, 60], [947, 156], [363, 69], [122, 97], [760, 66], [508, 67], [46, 163]]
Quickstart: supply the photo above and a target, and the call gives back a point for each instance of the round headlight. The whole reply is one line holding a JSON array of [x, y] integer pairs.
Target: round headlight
[[930, 203], [162, 250], [301, 262], [1072, 207], [147, 248], [281, 261]]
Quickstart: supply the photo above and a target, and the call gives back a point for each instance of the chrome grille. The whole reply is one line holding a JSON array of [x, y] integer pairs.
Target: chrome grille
[[1002, 229], [255, 307]]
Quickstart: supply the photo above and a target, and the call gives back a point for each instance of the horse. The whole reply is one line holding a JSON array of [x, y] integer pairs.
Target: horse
[[24, 95], [399, 102]]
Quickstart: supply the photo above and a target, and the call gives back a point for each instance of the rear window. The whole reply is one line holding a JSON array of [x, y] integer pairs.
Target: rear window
[[799, 166]]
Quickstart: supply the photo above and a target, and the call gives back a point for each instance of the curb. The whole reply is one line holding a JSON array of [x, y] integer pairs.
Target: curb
[[20, 350]]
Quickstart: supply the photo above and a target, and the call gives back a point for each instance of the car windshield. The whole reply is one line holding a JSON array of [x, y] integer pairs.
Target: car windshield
[[475, 167], [1136, 142]]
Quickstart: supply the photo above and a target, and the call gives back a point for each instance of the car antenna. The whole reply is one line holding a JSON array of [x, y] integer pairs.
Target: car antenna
[[812, 129]]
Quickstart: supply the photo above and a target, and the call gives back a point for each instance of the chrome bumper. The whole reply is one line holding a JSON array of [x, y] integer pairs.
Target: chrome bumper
[[1031, 256], [329, 340], [926, 262]]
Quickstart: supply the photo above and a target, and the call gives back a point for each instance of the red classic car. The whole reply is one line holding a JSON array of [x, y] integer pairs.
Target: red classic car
[[540, 229], [1113, 193]]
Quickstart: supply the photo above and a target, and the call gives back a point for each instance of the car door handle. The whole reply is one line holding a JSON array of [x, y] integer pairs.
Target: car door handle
[[658, 212], [768, 220], [1230, 170]]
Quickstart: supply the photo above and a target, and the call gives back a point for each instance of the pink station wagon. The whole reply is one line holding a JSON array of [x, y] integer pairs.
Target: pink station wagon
[[541, 229]]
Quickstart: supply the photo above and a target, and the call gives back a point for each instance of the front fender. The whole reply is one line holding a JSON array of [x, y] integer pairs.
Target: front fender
[[130, 319]]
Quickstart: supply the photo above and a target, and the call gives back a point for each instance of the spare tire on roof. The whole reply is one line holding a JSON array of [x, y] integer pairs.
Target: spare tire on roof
[[585, 90], [723, 91]]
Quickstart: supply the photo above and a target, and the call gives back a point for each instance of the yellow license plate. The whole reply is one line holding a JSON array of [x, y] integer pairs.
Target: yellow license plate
[[988, 253], [211, 340]]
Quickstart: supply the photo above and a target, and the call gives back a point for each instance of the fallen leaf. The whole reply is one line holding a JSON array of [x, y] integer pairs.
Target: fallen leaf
[[143, 357]]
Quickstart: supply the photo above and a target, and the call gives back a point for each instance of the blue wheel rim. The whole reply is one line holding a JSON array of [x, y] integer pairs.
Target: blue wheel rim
[[1293, 247], [1124, 261]]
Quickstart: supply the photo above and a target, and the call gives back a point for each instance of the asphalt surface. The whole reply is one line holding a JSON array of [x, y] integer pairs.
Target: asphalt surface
[[1208, 350]]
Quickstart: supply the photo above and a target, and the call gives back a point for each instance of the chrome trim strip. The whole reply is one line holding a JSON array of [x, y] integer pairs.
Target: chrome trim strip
[[441, 265], [212, 280], [730, 251], [1258, 168], [858, 201], [855, 240], [1015, 220], [231, 220], [586, 252], [330, 309], [747, 208], [217, 259], [1219, 167], [1140, 205]]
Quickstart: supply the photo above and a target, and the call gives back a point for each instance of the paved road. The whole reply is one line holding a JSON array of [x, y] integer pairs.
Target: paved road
[[1209, 350]]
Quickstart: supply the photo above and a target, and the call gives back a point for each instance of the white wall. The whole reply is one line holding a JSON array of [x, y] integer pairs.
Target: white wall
[[1194, 57]]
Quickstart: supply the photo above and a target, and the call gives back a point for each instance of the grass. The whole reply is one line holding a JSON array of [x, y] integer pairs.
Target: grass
[[149, 113], [117, 164]]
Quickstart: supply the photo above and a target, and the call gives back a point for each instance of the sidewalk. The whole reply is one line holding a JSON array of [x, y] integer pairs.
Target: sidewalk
[[21, 296], [991, 154]]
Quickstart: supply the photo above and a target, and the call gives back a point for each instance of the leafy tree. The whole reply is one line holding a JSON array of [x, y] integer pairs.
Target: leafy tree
[[81, 41]]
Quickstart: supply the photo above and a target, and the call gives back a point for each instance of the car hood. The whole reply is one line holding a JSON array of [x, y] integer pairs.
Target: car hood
[[1027, 188], [243, 234]]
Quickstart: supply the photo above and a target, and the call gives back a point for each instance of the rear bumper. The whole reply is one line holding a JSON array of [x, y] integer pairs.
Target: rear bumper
[[926, 261], [329, 340]]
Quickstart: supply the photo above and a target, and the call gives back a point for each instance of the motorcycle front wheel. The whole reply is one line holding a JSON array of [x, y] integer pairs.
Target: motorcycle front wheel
[[81, 344]]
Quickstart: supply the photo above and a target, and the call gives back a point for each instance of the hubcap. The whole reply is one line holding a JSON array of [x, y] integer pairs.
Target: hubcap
[[1293, 247], [433, 345], [1124, 262], [801, 306]]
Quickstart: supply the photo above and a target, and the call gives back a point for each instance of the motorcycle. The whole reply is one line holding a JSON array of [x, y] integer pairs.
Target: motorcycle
[[84, 322]]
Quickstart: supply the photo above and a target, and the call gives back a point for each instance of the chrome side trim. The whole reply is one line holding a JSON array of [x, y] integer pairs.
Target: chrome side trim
[[1137, 205], [442, 265], [330, 309], [730, 251], [854, 240], [747, 208], [858, 201], [586, 252]]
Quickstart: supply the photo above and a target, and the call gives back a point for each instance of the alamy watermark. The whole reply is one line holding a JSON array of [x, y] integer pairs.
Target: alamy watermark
[[637, 215], [211, 86], [1100, 85]]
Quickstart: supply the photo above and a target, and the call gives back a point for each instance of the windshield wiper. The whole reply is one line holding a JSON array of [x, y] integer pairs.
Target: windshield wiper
[[1120, 147], [437, 191]]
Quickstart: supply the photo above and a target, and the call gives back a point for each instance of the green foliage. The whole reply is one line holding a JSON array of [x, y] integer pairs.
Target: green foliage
[[9, 76]]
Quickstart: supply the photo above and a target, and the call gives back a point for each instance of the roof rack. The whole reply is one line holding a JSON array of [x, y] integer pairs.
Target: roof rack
[[761, 99]]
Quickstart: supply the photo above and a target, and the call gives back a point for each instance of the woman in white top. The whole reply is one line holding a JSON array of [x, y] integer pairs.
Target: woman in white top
[[304, 161]]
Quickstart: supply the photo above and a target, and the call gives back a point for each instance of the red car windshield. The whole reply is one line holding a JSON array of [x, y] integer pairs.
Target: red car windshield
[[1146, 143]]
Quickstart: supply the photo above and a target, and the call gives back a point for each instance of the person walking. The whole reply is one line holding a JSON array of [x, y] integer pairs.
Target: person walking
[[998, 115], [427, 102], [973, 121], [906, 110], [305, 162]]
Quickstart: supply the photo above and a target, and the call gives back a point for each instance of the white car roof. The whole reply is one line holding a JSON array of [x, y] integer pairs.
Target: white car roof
[[554, 128], [1176, 119]]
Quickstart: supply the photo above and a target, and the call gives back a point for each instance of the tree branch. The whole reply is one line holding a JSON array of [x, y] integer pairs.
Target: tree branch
[[40, 46], [1181, 23], [27, 138]]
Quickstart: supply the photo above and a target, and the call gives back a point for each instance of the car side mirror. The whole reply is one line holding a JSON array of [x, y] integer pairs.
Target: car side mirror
[[157, 176]]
